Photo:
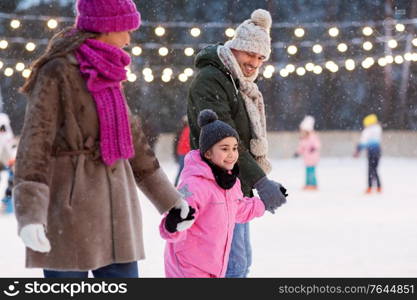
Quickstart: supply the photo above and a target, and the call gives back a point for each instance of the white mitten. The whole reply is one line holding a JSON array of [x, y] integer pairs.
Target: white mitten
[[185, 209], [33, 236]]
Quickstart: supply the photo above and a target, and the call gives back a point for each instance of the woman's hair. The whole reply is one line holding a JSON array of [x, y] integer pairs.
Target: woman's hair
[[61, 44]]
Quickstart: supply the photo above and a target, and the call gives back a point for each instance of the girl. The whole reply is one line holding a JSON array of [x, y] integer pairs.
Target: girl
[[81, 153], [309, 149], [211, 187]]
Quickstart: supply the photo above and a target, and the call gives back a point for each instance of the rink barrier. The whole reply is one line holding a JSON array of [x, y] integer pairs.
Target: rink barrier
[[282, 144]]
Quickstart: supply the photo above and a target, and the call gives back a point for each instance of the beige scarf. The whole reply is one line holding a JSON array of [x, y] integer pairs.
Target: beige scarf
[[254, 103]]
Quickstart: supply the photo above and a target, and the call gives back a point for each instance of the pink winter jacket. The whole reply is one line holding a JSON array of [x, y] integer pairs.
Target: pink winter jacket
[[203, 249], [309, 149]]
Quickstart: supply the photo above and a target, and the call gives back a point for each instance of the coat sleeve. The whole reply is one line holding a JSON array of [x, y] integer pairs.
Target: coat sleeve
[[193, 195], [248, 208], [208, 92], [148, 174], [33, 159]]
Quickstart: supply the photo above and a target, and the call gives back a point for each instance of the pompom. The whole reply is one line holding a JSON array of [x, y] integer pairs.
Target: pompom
[[206, 116], [262, 18]]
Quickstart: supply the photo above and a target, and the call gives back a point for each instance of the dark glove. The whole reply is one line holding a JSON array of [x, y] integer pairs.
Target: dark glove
[[174, 218], [295, 155], [312, 149], [271, 193]]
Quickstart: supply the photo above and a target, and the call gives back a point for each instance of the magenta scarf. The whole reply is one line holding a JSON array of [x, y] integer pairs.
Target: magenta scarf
[[103, 67]]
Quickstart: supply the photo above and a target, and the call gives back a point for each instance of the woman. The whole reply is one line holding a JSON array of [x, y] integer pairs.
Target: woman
[[81, 155]]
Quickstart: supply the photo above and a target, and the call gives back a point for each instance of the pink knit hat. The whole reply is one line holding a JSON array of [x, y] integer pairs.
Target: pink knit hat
[[107, 15]]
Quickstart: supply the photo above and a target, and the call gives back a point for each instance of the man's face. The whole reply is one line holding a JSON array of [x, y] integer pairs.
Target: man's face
[[249, 62]]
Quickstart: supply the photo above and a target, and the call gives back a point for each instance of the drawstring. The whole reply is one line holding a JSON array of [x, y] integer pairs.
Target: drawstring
[[234, 84]]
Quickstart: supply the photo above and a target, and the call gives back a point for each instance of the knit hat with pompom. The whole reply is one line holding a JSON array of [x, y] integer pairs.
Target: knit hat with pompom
[[253, 35], [213, 130]]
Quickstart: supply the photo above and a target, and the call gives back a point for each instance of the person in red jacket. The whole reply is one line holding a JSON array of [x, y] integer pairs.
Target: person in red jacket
[[182, 146]]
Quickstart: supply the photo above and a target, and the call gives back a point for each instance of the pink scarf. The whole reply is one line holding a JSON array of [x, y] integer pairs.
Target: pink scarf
[[103, 67]]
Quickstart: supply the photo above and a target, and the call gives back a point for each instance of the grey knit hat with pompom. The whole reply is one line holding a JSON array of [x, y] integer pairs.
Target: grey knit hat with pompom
[[253, 35], [213, 130]]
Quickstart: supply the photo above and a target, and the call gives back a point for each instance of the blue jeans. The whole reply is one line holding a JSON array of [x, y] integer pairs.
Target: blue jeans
[[240, 257], [126, 270]]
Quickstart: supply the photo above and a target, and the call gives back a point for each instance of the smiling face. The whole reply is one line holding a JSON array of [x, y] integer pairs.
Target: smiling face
[[249, 62], [224, 153], [119, 39]]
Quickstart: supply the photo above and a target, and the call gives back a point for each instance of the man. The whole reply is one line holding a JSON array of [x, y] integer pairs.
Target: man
[[225, 84]]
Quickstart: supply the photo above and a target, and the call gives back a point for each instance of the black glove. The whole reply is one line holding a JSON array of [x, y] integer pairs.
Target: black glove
[[312, 149], [173, 219], [271, 193], [295, 155]]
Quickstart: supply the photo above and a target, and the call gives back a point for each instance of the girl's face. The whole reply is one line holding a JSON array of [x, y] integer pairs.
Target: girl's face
[[224, 153], [119, 39]]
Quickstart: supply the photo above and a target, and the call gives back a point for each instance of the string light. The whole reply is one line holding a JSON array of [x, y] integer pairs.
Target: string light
[[367, 31], [189, 72], [136, 50], [317, 48], [309, 66], [333, 31], [317, 69], [367, 62], [131, 77], [350, 64], [290, 68], [270, 68], [300, 71], [1, 64], [408, 56], [367, 46], [398, 59], [382, 61], [342, 47], [8, 72], [159, 31], [182, 77], [389, 59], [30, 46], [392, 44], [3, 44], [299, 32], [149, 78], [163, 51], [283, 72], [26, 73], [230, 32], [20, 66], [267, 74], [414, 41], [15, 24], [167, 72], [147, 72], [400, 27], [166, 78], [292, 49], [189, 51], [195, 31], [52, 23]]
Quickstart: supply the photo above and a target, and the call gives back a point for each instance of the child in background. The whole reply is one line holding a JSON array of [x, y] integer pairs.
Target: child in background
[[371, 140], [211, 187], [309, 149], [182, 146]]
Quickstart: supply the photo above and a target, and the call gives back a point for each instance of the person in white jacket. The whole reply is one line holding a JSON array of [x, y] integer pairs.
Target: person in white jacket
[[371, 140]]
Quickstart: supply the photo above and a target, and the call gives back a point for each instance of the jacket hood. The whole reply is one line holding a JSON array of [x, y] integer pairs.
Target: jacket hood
[[208, 56], [195, 166]]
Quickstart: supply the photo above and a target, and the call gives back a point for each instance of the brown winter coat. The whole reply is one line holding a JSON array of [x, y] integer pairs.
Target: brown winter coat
[[90, 211]]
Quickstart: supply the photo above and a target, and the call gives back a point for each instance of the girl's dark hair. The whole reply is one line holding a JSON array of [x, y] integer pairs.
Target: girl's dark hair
[[65, 41]]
